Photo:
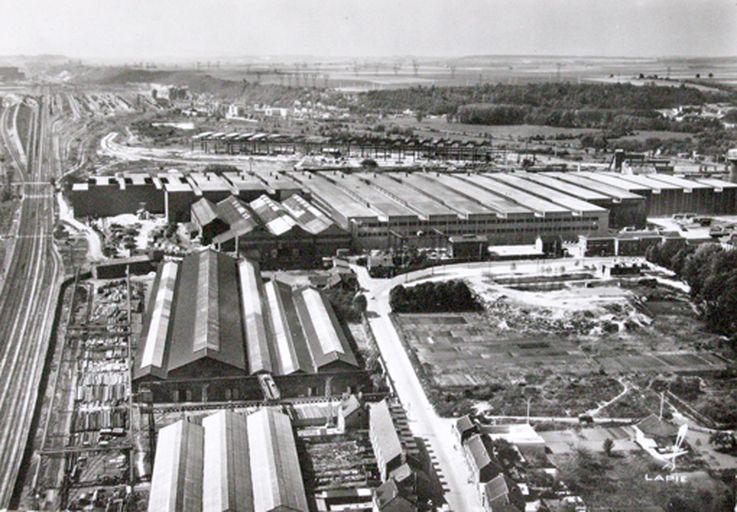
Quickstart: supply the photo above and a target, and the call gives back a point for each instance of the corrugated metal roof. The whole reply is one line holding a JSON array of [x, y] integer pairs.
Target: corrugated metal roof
[[176, 483], [203, 212], [193, 335], [155, 335], [278, 483], [292, 354], [310, 218], [254, 324], [324, 335], [227, 478], [236, 215], [207, 318], [271, 214]]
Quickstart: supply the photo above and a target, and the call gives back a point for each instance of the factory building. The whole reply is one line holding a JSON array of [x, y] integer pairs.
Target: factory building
[[625, 208], [666, 194], [231, 462], [290, 234], [212, 322], [106, 196], [353, 145], [383, 210], [172, 193]]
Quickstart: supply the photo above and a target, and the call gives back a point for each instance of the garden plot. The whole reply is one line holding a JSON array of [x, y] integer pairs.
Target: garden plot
[[563, 348]]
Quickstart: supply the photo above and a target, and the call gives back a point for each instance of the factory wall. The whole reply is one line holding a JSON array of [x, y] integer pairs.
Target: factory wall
[[228, 387], [110, 200], [498, 231]]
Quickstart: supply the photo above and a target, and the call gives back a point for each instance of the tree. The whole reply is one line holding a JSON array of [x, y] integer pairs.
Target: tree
[[608, 446], [360, 303]]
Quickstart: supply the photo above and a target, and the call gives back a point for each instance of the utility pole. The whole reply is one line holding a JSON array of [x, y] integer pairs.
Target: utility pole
[[662, 403]]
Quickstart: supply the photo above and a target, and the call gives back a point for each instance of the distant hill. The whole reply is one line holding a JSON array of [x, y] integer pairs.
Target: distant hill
[[201, 82]]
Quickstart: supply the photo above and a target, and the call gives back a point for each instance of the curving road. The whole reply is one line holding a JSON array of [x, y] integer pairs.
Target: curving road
[[28, 299]]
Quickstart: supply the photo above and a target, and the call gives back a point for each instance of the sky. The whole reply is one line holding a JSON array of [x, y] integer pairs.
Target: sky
[[161, 29]]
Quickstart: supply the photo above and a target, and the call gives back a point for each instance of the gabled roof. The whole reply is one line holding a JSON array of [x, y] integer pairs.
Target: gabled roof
[[277, 483], [176, 482], [387, 441], [289, 349], [502, 494], [388, 494], [255, 318], [272, 215], [150, 358], [464, 424], [227, 471], [207, 321], [653, 426], [307, 216], [235, 214], [324, 334], [204, 212], [479, 452]]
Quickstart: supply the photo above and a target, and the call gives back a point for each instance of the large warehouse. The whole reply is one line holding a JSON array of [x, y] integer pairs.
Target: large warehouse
[[172, 193], [384, 209], [232, 462], [379, 208], [290, 234], [213, 318]]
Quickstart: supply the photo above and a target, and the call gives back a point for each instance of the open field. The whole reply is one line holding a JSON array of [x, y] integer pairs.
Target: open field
[[430, 126], [566, 350], [625, 481]]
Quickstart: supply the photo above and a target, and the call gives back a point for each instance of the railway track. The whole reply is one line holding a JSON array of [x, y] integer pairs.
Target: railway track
[[28, 299]]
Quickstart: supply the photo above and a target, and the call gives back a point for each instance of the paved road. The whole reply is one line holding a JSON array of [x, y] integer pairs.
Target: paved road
[[461, 495], [27, 302]]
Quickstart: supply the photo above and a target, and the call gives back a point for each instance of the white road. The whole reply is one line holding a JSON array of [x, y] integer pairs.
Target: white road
[[424, 422]]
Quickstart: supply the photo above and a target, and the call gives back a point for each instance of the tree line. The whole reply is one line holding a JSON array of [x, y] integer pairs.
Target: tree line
[[555, 96], [711, 272], [432, 297]]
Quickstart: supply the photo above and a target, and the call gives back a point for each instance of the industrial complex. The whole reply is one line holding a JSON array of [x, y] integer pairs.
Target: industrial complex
[[320, 212], [214, 330]]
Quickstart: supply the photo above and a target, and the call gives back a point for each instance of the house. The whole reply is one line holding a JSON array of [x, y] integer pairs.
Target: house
[[389, 497], [501, 494], [352, 414], [479, 456], [464, 428], [653, 427]]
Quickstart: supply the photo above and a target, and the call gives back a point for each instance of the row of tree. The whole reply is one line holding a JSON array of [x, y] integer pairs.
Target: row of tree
[[445, 296], [615, 120], [711, 272], [560, 96]]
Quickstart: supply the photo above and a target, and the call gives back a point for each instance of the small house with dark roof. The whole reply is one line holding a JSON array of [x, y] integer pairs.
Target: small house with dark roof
[[390, 497], [352, 414], [501, 494], [653, 427], [479, 456], [464, 428]]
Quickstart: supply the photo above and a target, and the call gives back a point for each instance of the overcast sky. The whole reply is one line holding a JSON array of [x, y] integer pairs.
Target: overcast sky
[[209, 28]]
